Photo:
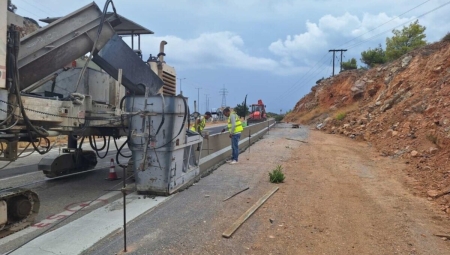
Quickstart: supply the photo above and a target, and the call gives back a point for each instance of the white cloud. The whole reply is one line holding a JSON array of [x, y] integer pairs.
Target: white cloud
[[343, 23], [213, 51], [293, 45], [332, 31], [292, 55]]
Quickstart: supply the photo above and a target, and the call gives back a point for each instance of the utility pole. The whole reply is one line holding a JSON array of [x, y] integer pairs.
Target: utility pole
[[180, 79], [334, 52], [223, 92], [198, 98], [206, 103]]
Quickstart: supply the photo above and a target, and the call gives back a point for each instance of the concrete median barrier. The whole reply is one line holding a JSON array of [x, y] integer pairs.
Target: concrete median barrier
[[217, 148]]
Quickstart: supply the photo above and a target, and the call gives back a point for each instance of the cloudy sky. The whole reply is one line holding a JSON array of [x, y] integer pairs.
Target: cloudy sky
[[272, 50]]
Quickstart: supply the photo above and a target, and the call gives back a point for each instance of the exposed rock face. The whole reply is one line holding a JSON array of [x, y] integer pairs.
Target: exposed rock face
[[358, 89], [401, 107]]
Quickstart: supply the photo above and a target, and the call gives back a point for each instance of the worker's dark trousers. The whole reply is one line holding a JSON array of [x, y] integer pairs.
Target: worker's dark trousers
[[235, 146]]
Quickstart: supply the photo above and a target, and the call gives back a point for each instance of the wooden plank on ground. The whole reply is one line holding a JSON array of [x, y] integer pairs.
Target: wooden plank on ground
[[443, 235], [296, 140], [248, 213], [237, 193]]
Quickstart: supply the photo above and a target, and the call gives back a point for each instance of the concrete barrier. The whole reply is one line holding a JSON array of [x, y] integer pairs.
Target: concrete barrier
[[217, 148]]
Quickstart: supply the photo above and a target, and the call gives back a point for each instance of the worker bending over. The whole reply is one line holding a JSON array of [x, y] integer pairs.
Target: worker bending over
[[200, 123], [235, 128]]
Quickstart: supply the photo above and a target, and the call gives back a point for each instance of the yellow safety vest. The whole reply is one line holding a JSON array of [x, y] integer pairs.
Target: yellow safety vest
[[238, 125], [199, 128]]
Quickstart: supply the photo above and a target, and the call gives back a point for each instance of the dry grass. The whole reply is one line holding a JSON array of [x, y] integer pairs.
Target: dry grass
[[345, 110], [308, 116]]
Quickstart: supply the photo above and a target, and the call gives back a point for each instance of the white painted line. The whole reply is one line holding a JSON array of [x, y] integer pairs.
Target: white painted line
[[70, 209], [22, 175], [83, 233]]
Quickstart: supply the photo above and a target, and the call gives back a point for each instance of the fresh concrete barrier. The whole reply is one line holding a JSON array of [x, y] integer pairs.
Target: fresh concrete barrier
[[217, 148]]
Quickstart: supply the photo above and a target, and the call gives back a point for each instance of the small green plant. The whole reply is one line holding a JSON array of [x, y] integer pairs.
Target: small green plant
[[277, 176], [432, 138], [341, 116]]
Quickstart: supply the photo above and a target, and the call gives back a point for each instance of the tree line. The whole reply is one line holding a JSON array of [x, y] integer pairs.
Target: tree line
[[402, 42]]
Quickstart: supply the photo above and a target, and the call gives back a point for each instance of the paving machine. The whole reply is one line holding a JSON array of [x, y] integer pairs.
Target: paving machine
[[257, 113], [49, 87]]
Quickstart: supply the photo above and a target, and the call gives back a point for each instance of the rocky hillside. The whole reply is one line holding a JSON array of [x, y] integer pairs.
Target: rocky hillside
[[402, 108]]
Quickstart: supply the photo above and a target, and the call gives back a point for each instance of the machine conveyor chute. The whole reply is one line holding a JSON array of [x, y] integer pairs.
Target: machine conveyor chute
[[68, 38], [56, 45]]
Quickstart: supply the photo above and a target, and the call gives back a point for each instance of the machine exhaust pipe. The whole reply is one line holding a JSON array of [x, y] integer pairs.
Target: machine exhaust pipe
[[161, 55]]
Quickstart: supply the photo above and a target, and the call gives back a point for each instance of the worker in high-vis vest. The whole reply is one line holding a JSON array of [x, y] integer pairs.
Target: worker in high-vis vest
[[200, 123], [235, 128]]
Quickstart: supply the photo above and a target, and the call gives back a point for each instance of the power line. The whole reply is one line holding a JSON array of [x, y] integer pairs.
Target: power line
[[385, 23], [286, 92], [334, 52], [48, 6], [33, 15], [37, 7], [311, 76], [410, 20], [293, 87], [302, 78]]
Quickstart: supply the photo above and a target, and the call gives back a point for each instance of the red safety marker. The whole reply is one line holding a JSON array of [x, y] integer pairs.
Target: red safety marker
[[112, 176]]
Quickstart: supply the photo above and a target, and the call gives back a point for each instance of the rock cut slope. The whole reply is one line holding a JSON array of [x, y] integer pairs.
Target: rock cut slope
[[401, 108]]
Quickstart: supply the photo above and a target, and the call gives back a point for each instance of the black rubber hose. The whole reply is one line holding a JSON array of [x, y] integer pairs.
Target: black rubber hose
[[163, 117], [19, 99], [29, 125], [119, 149], [121, 101], [94, 145], [182, 126], [81, 142], [119, 152]]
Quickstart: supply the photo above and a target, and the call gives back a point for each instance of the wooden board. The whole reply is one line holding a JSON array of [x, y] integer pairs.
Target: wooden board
[[237, 193], [248, 213]]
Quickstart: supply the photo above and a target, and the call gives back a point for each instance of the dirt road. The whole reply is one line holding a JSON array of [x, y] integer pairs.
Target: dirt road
[[341, 197]]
